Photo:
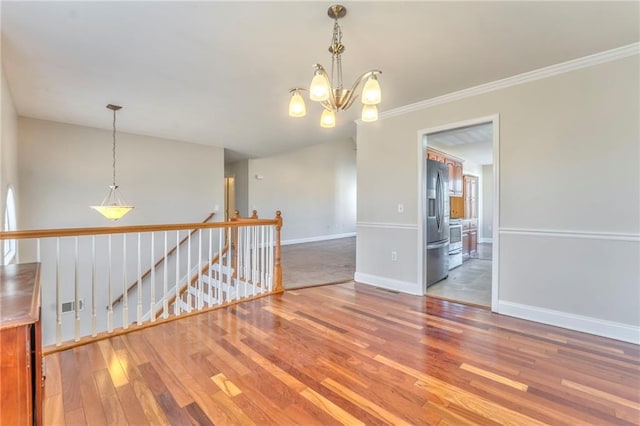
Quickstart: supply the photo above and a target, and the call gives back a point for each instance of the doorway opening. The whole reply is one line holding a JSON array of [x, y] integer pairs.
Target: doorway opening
[[469, 150]]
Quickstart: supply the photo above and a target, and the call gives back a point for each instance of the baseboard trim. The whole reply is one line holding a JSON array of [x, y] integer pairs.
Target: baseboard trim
[[317, 238], [387, 225], [599, 327], [388, 283]]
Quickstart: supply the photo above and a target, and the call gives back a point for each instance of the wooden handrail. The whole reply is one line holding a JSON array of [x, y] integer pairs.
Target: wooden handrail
[[160, 261], [193, 279], [73, 232]]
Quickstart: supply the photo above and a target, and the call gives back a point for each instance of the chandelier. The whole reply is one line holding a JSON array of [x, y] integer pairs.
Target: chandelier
[[113, 206], [329, 90]]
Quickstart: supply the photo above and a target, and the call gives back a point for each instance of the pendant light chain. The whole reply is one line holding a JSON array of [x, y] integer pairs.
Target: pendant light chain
[[114, 147], [336, 54]]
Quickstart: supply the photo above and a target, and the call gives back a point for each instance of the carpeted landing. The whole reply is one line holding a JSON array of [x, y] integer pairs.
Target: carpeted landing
[[318, 263]]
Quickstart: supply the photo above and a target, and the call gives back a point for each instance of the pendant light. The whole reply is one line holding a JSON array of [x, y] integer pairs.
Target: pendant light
[[113, 206]]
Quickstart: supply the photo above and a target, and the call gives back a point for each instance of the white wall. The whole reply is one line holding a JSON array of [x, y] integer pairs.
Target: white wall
[[65, 168], [8, 147], [314, 187], [569, 189]]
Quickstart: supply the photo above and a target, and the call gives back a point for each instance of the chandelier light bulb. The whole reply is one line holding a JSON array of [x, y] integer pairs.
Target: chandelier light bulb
[[319, 88], [297, 108], [369, 113], [328, 118], [371, 93]]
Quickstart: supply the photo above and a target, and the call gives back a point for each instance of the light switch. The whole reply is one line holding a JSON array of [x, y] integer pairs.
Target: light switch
[[400, 208]]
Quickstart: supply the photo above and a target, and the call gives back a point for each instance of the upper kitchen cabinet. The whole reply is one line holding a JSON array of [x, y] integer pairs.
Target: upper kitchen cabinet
[[455, 170], [470, 196], [435, 156]]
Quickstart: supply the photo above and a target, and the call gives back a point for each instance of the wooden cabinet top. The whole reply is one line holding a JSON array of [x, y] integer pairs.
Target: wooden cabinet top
[[19, 294]]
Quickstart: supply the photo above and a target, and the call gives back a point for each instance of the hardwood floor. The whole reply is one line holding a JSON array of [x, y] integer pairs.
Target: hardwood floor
[[349, 354]]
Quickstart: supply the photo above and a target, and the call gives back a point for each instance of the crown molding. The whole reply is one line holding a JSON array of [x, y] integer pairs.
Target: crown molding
[[550, 71]]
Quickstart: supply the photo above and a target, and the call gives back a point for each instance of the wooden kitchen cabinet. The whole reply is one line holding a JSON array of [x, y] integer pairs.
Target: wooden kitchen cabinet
[[455, 177], [473, 243], [20, 345], [470, 196], [465, 245], [435, 156]]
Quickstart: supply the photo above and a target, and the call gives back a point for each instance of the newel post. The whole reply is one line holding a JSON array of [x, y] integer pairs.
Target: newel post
[[278, 288]]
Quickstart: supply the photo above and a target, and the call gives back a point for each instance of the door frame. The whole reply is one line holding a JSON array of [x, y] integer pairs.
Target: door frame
[[422, 164]]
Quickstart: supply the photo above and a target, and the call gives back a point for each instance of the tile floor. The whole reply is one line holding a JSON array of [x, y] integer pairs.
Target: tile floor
[[468, 283]]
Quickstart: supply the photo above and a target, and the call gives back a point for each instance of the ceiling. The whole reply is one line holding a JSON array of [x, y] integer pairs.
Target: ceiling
[[470, 143], [218, 73]]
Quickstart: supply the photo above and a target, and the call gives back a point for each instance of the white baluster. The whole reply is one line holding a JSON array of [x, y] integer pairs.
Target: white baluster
[[165, 303], [199, 299], [263, 252], [139, 289], [75, 292], [58, 302], [38, 250], [176, 303], [94, 312], [125, 292], [110, 308], [254, 272], [240, 264], [271, 255], [209, 266], [152, 309], [219, 272], [189, 271], [247, 258]]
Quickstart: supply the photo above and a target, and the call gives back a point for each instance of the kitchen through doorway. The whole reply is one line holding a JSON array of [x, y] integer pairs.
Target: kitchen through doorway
[[467, 149]]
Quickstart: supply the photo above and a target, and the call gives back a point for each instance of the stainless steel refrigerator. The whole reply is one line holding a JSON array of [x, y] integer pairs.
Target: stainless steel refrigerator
[[437, 211]]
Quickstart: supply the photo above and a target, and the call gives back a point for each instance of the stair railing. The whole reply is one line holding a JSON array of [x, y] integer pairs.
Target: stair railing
[[81, 268], [159, 262]]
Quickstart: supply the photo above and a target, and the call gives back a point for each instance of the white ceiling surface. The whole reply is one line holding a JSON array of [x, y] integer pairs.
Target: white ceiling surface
[[218, 73], [471, 143]]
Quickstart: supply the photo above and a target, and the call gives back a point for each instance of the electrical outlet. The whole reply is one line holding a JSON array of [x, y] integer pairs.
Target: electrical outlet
[[400, 208], [394, 256]]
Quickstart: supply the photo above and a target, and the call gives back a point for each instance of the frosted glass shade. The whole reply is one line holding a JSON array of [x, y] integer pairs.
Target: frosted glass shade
[[319, 88], [113, 206], [328, 118], [371, 93], [113, 212], [369, 113], [297, 108]]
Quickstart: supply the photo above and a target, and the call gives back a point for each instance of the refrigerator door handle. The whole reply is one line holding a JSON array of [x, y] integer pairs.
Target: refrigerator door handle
[[437, 245], [438, 201]]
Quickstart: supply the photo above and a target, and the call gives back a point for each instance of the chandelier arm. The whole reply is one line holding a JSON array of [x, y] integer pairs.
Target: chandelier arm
[[328, 105], [350, 100]]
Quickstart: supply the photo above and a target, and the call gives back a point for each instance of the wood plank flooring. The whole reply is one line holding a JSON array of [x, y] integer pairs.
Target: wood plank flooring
[[346, 354]]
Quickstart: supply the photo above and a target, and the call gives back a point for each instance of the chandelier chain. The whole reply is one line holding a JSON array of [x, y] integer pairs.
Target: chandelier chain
[[114, 148], [336, 54]]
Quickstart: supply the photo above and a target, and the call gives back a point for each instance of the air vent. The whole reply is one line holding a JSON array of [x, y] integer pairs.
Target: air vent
[[70, 306]]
